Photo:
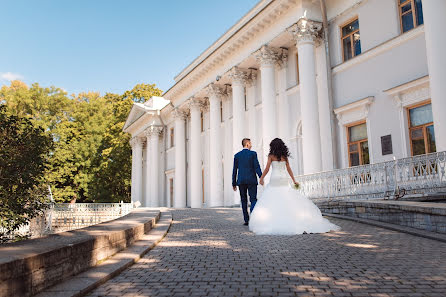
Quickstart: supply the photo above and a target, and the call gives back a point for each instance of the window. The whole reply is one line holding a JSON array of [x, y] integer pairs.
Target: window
[[297, 69], [221, 111], [202, 185], [421, 129], [411, 14], [246, 103], [171, 191], [202, 121], [358, 145], [351, 41], [172, 137]]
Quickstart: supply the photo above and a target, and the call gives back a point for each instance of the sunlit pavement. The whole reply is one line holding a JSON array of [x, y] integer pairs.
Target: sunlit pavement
[[209, 252]]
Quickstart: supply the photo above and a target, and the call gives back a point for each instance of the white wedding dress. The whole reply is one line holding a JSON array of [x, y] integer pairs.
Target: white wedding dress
[[282, 210]]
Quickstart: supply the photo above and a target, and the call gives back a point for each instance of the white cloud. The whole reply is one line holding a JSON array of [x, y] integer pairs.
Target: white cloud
[[10, 76]]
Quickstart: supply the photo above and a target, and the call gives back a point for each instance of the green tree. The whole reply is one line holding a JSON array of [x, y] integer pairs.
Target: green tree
[[91, 156], [23, 163]]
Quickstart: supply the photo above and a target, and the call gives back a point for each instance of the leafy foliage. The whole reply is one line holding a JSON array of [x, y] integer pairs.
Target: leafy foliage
[[24, 159], [90, 160]]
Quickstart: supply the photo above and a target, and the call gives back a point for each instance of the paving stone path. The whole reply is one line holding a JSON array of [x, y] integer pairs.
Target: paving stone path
[[209, 252]]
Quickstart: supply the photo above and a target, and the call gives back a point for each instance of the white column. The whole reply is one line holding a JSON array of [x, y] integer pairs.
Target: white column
[[434, 28], [228, 148], [238, 77], [154, 134], [267, 58], [215, 159], [251, 85], [180, 159], [283, 106], [136, 143], [195, 105], [326, 115], [306, 32], [148, 183]]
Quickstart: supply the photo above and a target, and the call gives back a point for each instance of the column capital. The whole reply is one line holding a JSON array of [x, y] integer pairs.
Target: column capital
[[179, 114], [214, 90], [136, 141], [196, 102], [282, 58], [306, 31], [238, 76], [153, 130], [266, 56], [252, 78], [227, 93]]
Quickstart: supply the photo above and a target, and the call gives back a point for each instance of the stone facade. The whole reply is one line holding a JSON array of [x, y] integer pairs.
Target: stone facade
[[279, 72]]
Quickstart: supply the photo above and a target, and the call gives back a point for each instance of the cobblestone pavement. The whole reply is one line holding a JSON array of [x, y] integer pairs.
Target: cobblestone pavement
[[209, 252]]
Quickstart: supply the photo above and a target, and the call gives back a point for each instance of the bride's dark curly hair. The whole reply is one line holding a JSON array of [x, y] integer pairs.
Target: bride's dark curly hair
[[278, 149]]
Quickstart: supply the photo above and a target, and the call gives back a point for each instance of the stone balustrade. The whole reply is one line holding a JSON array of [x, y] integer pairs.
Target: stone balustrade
[[418, 175]]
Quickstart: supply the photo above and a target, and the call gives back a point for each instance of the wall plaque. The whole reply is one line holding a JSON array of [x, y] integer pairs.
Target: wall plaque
[[386, 145]]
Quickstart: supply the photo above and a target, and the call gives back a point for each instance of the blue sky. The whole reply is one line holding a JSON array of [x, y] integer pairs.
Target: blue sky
[[108, 45]]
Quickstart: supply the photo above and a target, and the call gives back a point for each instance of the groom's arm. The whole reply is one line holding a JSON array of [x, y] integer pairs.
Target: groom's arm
[[234, 172], [257, 165]]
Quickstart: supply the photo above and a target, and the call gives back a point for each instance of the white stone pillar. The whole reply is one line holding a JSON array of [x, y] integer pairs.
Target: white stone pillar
[[215, 154], [148, 183], [228, 148], [180, 159], [283, 107], [434, 28], [136, 143], [267, 57], [154, 134], [195, 105], [238, 77], [326, 115], [251, 85], [306, 32]]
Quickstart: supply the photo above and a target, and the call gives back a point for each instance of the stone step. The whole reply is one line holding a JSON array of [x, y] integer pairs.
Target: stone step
[[84, 282]]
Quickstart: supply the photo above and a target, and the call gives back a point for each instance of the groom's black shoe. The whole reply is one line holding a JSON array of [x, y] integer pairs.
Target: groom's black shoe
[[246, 223]]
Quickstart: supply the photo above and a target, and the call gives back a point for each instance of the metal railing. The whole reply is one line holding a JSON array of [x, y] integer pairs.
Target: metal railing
[[421, 174]]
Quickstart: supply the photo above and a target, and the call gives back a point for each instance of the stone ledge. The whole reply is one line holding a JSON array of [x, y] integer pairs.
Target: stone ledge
[[86, 281], [393, 227], [427, 216], [30, 266]]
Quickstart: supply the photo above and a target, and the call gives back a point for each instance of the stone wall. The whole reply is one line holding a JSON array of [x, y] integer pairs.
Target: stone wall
[[420, 215], [30, 266]]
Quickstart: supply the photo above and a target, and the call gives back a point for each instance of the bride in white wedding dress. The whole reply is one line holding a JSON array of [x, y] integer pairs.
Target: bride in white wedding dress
[[282, 210]]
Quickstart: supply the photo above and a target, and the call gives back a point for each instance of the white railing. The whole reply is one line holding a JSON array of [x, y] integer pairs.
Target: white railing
[[415, 175], [70, 216]]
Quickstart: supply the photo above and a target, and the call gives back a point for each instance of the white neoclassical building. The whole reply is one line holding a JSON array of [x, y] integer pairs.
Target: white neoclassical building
[[342, 82]]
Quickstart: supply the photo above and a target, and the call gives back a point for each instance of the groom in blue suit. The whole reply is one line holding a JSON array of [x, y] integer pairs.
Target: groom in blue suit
[[246, 165]]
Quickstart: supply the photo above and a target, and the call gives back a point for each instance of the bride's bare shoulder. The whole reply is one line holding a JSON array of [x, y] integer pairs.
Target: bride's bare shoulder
[[273, 158]]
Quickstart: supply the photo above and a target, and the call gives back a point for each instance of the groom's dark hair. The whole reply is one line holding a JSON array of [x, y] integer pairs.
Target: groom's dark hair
[[245, 141]]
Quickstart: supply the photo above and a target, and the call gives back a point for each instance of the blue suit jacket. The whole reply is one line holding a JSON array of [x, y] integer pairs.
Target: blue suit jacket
[[247, 165]]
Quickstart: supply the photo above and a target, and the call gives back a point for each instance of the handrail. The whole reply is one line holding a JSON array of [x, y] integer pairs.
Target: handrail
[[421, 174]]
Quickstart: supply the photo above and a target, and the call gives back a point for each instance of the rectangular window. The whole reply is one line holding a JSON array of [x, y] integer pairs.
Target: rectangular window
[[202, 121], [202, 185], [171, 191], [246, 104], [358, 145], [351, 41], [421, 129], [297, 69], [221, 111], [172, 137], [411, 14]]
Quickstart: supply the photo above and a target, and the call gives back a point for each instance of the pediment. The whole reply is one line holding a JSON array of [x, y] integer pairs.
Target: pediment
[[138, 111]]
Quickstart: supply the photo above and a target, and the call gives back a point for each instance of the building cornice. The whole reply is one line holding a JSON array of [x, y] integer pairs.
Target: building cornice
[[235, 47]]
